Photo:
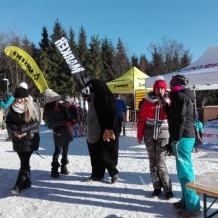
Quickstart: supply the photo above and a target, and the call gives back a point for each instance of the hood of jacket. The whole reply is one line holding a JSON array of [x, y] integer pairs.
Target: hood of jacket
[[186, 91], [152, 98]]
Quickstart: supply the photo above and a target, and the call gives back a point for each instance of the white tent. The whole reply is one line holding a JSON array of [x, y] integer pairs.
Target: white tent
[[202, 74]]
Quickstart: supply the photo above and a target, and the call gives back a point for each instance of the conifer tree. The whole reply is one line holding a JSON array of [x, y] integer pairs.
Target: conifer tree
[[72, 38], [185, 60], [55, 68], [94, 63], [45, 42], [59, 30], [156, 65], [121, 62], [82, 47], [135, 61], [107, 56], [143, 64]]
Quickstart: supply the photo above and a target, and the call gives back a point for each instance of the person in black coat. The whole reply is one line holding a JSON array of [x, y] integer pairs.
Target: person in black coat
[[23, 120], [181, 128], [102, 130], [55, 116]]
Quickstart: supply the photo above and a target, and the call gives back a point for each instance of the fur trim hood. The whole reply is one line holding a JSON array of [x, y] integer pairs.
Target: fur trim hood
[[152, 98]]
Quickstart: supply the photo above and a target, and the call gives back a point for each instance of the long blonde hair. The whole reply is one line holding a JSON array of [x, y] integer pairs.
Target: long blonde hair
[[30, 113]]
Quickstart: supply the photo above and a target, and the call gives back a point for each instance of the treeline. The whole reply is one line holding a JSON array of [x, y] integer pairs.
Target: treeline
[[99, 57]]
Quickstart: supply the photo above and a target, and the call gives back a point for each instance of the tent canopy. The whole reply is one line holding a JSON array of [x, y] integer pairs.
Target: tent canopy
[[202, 74], [130, 82]]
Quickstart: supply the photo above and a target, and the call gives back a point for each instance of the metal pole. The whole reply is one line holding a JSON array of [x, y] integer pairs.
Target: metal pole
[[5, 79], [7, 85], [134, 98], [195, 106]]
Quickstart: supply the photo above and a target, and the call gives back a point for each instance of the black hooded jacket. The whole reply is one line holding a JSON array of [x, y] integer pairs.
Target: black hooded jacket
[[180, 114], [15, 122]]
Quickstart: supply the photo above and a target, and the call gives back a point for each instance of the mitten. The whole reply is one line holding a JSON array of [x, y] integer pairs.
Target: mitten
[[108, 134]]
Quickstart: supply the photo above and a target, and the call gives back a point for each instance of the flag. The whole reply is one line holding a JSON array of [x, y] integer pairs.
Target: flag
[[66, 49], [29, 65]]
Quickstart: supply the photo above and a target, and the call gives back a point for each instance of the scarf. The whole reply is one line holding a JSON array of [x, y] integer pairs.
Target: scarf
[[30, 112], [19, 108], [176, 88]]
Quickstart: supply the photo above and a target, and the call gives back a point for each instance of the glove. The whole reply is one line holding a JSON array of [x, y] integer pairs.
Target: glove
[[108, 134], [169, 148]]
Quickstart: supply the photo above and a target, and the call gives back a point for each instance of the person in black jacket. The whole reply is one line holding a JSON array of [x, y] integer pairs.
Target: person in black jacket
[[181, 128], [23, 120], [55, 116]]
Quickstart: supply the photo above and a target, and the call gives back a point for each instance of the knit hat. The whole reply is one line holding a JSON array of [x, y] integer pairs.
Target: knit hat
[[24, 85], [21, 93], [46, 92], [179, 80], [160, 83], [51, 96]]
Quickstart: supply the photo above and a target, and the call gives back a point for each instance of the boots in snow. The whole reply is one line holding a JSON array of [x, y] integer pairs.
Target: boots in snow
[[27, 182], [22, 175], [64, 169], [54, 170], [114, 178]]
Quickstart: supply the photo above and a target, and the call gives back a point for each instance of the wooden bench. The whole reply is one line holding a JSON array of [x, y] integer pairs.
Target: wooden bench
[[208, 186]]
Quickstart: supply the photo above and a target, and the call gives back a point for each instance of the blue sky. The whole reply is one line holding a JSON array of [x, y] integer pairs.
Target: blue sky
[[137, 22]]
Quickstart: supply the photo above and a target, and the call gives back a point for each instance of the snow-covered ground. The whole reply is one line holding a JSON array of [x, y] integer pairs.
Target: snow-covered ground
[[70, 196]]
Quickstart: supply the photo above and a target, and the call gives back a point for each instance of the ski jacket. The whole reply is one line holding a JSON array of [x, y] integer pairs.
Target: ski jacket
[[199, 125], [15, 122], [151, 112], [57, 120], [6, 103], [121, 107], [180, 114]]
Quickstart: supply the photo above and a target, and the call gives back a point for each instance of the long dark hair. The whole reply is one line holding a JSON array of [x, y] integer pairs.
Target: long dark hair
[[48, 107]]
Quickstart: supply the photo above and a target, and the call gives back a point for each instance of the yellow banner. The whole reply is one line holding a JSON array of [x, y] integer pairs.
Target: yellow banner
[[29, 65]]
